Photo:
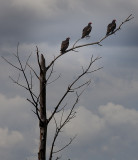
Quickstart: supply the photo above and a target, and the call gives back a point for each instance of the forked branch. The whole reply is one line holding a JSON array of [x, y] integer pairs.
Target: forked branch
[[28, 86], [62, 123], [70, 89], [130, 17]]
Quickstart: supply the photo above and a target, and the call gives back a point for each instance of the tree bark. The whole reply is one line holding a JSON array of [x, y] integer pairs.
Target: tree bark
[[43, 118]]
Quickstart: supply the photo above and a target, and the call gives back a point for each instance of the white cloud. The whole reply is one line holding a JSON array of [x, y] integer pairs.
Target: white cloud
[[113, 128], [8, 103], [118, 115], [109, 130], [86, 124], [9, 138], [17, 128]]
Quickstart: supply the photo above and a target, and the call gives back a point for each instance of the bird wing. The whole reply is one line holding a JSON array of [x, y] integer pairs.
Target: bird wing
[[89, 29], [113, 26], [85, 29], [64, 44], [109, 26]]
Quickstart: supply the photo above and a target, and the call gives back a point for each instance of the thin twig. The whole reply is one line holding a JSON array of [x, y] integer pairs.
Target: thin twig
[[27, 61], [84, 84], [31, 84], [31, 102], [61, 108], [11, 64], [33, 71], [76, 42], [71, 139], [18, 78], [95, 70], [61, 117], [16, 82], [69, 89], [98, 42], [54, 79]]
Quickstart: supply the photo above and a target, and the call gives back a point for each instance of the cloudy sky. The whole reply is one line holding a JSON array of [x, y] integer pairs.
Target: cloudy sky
[[107, 114]]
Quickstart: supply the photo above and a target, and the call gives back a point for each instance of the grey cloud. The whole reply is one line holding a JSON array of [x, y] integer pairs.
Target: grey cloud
[[45, 22], [115, 138], [19, 126]]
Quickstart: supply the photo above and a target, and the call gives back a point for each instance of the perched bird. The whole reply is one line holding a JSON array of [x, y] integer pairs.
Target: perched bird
[[111, 27], [86, 30], [64, 45]]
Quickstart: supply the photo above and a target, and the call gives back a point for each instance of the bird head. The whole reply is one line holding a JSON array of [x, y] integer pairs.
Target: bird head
[[114, 20], [89, 23], [68, 38]]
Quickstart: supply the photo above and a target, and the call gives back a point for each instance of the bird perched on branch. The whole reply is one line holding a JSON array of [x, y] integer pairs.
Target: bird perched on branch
[[86, 30], [64, 45], [111, 27]]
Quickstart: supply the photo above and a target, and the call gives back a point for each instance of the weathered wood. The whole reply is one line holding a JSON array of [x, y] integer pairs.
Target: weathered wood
[[43, 121]]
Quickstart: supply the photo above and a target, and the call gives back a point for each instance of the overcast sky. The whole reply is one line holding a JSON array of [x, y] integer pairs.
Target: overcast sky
[[107, 114]]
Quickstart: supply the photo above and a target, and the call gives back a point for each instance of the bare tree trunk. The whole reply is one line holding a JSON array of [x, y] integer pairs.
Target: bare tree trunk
[[43, 118]]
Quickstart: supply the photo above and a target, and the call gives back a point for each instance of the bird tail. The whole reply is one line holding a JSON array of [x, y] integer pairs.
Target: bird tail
[[107, 33], [61, 51]]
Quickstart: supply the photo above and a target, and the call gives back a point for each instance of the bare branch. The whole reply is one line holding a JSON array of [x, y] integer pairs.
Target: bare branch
[[50, 72], [75, 50], [62, 108], [69, 89], [76, 42], [37, 114], [31, 80], [71, 139], [27, 61], [70, 116], [11, 64], [88, 44], [126, 20], [95, 70], [18, 78], [24, 74], [61, 116], [36, 108], [56, 123], [19, 84], [55, 79], [58, 130], [84, 84], [33, 71], [25, 77], [16, 82], [53, 61], [34, 112], [31, 102], [98, 42]]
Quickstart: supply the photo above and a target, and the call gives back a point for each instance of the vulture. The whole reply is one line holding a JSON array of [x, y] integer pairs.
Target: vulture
[[64, 45], [111, 27], [86, 30]]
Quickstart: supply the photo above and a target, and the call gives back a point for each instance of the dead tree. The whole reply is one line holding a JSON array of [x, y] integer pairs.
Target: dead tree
[[39, 101]]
